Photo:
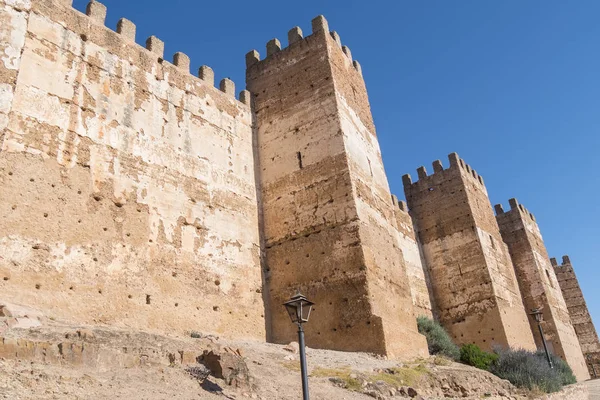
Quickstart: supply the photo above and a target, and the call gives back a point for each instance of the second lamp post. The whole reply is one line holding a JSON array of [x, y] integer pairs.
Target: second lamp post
[[299, 307], [537, 313]]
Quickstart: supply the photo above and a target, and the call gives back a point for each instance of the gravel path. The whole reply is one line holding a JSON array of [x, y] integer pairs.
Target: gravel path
[[594, 387]]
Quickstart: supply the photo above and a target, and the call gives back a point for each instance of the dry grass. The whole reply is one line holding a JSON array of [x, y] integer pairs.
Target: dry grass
[[401, 376]]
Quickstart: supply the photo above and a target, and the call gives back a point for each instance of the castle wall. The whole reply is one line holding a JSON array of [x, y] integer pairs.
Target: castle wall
[[473, 281], [539, 287], [128, 190], [418, 275], [327, 211], [580, 316]]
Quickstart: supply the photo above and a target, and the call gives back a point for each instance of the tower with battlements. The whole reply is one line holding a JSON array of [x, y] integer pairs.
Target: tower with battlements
[[580, 316], [473, 281], [538, 284], [327, 212]]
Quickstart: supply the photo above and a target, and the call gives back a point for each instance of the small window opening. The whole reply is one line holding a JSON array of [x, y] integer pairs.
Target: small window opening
[[299, 155]]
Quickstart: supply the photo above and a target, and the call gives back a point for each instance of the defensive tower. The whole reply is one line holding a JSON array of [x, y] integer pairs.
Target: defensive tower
[[327, 212], [473, 280], [580, 316], [539, 286]]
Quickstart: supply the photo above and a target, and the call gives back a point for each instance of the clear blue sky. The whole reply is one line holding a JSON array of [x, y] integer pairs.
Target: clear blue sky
[[512, 86]]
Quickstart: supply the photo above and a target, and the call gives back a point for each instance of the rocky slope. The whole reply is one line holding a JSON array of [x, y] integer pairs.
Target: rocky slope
[[41, 358]]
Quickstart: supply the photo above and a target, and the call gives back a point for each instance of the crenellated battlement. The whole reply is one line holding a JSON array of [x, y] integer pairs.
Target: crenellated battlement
[[399, 204], [515, 207], [97, 12], [566, 262], [456, 163], [295, 35]]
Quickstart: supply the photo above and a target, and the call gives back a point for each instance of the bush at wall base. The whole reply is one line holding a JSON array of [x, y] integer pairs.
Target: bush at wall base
[[471, 354], [438, 340], [526, 369]]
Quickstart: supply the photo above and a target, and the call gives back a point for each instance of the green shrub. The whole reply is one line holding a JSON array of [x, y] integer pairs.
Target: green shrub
[[471, 354], [526, 369], [438, 340]]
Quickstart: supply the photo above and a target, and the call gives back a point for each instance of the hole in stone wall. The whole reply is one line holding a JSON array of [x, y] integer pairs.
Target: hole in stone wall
[[45, 215], [6, 278], [84, 37], [14, 207], [31, 180], [217, 282], [70, 287], [129, 296], [216, 308], [174, 274], [176, 304], [147, 299], [38, 286], [10, 173], [100, 291]]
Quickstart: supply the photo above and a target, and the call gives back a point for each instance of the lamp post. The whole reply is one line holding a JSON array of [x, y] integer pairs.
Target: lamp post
[[537, 313], [299, 307]]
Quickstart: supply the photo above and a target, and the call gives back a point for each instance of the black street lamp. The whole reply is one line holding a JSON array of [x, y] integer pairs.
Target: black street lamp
[[299, 307], [537, 313]]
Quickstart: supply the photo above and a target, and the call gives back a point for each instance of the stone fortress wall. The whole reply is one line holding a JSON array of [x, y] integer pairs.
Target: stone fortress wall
[[128, 193], [137, 194], [539, 287], [580, 315], [473, 281]]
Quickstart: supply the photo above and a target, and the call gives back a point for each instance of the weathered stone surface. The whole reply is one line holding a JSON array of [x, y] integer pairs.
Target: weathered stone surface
[[580, 316], [539, 287], [328, 218], [127, 185], [418, 275], [473, 279], [227, 365]]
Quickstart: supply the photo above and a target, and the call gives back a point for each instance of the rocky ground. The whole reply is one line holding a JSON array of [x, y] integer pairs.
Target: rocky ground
[[46, 359]]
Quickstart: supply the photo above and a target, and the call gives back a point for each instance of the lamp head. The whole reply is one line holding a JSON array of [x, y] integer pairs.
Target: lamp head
[[299, 308]]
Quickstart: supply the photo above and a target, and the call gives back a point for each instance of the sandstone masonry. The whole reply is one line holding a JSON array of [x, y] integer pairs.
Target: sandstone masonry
[[473, 280], [128, 192], [329, 225], [539, 287], [580, 316], [136, 194]]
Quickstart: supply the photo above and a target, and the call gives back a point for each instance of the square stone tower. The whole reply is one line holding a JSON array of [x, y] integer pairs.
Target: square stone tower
[[539, 286], [580, 316], [473, 280], [327, 214]]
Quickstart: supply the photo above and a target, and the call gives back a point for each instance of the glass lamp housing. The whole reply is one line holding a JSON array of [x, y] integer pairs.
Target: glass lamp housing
[[537, 313], [299, 308]]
